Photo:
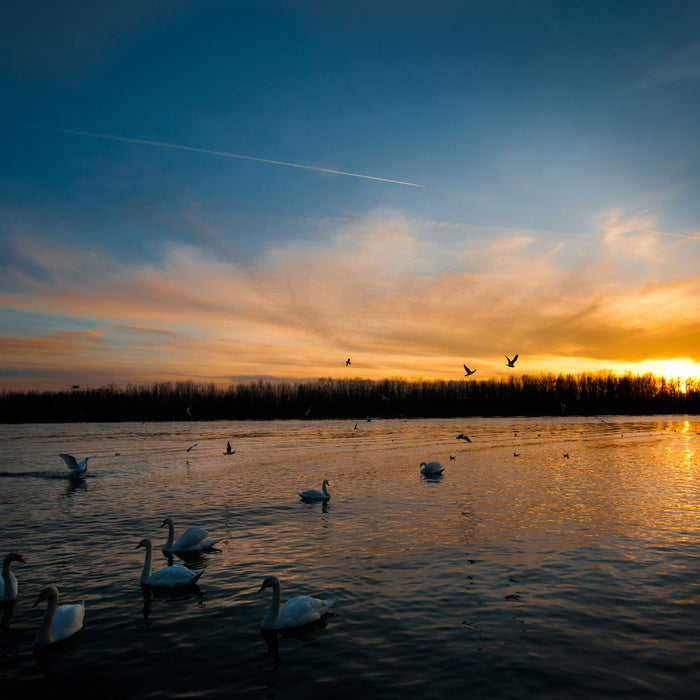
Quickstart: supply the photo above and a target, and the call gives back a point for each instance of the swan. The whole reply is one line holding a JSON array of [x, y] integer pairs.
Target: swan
[[295, 612], [60, 621], [8, 582], [431, 468], [169, 576], [73, 464], [194, 539], [313, 495]]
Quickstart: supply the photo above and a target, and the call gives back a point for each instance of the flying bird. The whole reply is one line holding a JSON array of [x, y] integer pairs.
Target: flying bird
[[462, 436], [229, 451], [191, 447], [384, 398], [468, 371], [347, 362], [511, 363]]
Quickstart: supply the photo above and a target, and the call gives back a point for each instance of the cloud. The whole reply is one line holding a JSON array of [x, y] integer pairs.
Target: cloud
[[681, 66], [402, 297]]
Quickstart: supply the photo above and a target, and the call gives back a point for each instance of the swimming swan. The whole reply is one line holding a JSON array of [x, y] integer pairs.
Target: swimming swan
[[295, 612], [431, 468], [169, 576], [313, 495], [60, 621], [194, 539], [8, 582]]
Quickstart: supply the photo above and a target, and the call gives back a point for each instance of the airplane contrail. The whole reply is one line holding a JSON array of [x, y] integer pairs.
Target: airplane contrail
[[125, 139]]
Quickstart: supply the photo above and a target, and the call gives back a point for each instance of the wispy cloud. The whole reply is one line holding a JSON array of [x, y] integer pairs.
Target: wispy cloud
[[374, 292], [681, 66]]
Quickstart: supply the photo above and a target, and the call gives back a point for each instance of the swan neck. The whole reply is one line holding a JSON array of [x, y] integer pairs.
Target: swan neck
[[274, 609], [6, 564], [171, 535], [325, 489], [43, 636], [147, 562]]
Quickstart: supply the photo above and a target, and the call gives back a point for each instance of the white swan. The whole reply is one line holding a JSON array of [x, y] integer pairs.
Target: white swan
[[60, 621], [194, 539], [169, 576], [313, 495], [8, 582], [431, 468], [295, 612], [73, 464]]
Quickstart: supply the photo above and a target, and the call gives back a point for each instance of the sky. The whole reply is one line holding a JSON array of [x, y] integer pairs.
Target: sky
[[480, 179]]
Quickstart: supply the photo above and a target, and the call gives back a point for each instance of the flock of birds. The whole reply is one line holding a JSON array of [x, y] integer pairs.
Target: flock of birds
[[61, 622]]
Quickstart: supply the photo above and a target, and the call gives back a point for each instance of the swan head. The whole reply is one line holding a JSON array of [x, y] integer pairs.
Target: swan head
[[326, 482], [144, 543], [13, 556], [268, 581], [49, 593], [166, 521], [422, 464]]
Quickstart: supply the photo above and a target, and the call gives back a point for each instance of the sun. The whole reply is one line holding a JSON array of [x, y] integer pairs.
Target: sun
[[682, 369]]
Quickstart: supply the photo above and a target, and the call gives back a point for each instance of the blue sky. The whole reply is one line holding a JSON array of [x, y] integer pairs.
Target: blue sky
[[556, 143]]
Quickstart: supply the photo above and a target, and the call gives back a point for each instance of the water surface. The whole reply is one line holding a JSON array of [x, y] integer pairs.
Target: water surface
[[538, 575]]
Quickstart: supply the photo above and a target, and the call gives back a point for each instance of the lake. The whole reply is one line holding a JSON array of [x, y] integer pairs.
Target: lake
[[537, 575]]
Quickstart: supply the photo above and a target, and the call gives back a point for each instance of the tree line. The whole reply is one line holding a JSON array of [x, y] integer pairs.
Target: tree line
[[587, 393]]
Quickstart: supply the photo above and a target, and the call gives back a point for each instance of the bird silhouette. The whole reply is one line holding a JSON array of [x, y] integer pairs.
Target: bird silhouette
[[347, 362], [468, 371], [462, 436], [511, 363]]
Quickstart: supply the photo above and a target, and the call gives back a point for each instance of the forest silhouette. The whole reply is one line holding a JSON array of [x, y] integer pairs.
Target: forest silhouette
[[588, 393]]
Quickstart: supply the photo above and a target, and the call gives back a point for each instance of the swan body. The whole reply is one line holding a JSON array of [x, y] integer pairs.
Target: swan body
[[169, 576], [73, 464], [313, 495], [60, 621], [431, 468], [296, 612], [8, 582], [194, 539]]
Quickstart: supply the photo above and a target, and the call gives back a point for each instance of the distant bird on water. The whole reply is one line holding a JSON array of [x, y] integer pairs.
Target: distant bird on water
[[511, 363], [462, 436], [193, 539], [60, 621], [347, 362], [229, 451], [431, 468], [468, 371], [73, 464], [296, 612]]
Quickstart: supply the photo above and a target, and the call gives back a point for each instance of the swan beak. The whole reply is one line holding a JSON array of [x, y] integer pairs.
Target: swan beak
[[37, 601], [21, 558], [162, 524], [263, 587]]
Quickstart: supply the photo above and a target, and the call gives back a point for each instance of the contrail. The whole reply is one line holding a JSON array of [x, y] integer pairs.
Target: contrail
[[125, 139], [677, 235]]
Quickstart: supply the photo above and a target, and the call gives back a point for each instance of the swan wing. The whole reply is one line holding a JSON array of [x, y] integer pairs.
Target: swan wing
[[11, 592], [301, 611], [70, 461], [173, 577], [67, 620], [192, 538]]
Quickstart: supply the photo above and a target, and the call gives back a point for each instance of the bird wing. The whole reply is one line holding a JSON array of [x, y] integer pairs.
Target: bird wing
[[172, 576], [192, 538], [514, 359], [70, 461], [67, 620]]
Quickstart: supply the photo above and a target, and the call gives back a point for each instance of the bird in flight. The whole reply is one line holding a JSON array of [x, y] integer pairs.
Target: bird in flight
[[229, 451], [347, 362], [468, 371], [191, 447], [511, 363], [462, 436]]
